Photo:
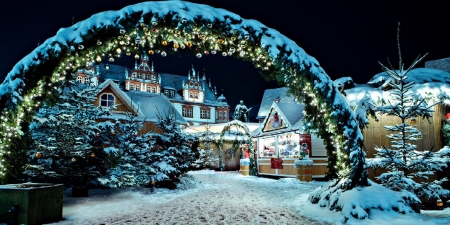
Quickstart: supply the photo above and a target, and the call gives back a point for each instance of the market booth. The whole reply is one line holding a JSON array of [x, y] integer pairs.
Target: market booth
[[280, 142]]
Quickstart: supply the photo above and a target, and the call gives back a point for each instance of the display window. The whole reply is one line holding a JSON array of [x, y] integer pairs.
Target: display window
[[288, 146]]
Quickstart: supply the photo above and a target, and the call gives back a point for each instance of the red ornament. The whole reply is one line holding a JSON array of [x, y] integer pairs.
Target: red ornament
[[447, 116], [174, 177], [154, 29], [160, 160], [206, 53]]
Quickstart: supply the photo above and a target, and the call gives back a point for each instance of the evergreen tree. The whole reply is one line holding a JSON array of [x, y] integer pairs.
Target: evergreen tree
[[132, 152], [206, 157], [66, 145], [173, 156], [402, 161]]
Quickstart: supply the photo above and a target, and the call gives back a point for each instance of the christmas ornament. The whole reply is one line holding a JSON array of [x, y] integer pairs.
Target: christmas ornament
[[206, 53], [224, 54], [163, 54], [92, 155], [220, 41], [209, 25], [174, 177], [153, 182], [38, 155], [98, 59], [74, 160], [176, 45], [199, 55], [151, 52], [447, 116], [213, 52], [111, 59], [413, 120], [184, 21], [122, 31], [154, 23], [164, 43], [80, 47], [136, 56], [182, 46], [128, 53], [189, 44], [154, 29], [99, 42]]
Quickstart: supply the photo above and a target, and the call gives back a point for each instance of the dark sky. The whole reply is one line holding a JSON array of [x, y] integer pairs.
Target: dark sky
[[348, 38]]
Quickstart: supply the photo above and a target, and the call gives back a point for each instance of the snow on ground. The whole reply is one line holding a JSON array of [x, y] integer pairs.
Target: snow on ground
[[222, 198]]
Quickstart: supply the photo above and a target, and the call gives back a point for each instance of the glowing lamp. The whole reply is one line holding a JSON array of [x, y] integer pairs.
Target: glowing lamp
[[413, 120]]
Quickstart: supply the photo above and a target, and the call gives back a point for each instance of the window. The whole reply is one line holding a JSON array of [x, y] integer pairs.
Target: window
[[87, 80], [147, 77], [172, 93], [132, 87], [80, 79], [220, 115], [189, 112], [106, 100], [191, 95], [184, 112], [166, 92], [153, 89], [225, 115], [138, 87], [149, 89], [204, 112]]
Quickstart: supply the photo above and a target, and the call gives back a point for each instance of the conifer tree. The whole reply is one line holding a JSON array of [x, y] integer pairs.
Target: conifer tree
[[66, 145], [402, 161], [133, 153], [173, 156]]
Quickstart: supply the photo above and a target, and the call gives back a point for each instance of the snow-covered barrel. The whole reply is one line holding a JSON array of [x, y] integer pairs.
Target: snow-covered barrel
[[245, 167], [304, 169]]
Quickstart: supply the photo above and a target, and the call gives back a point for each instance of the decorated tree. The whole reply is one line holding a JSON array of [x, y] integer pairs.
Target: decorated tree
[[173, 155], [67, 147], [130, 154], [402, 161]]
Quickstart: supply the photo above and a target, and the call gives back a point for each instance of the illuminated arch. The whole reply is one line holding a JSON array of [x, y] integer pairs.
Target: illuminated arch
[[248, 141], [159, 27]]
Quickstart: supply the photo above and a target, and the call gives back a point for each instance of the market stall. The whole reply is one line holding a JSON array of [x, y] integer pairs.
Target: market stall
[[280, 141]]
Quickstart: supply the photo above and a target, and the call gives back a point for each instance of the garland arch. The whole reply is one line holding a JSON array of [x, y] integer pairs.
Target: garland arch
[[248, 142], [176, 26]]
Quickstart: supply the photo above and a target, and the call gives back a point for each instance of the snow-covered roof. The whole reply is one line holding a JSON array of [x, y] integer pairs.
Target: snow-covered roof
[[270, 95], [426, 81], [290, 113], [151, 104]]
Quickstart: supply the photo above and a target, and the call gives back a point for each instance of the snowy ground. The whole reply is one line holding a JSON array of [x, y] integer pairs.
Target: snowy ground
[[222, 198]]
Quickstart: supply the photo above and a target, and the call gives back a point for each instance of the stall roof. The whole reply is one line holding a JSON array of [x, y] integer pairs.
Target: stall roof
[[292, 114]]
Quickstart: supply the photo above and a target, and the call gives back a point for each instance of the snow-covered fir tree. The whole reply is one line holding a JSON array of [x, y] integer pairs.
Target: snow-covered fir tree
[[67, 147], [173, 155], [402, 161], [132, 152], [206, 157]]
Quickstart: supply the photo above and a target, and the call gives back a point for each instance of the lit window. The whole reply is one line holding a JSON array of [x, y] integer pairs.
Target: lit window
[[107, 100]]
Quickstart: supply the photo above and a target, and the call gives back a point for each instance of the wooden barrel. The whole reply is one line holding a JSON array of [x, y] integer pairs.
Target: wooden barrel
[[245, 167], [304, 169]]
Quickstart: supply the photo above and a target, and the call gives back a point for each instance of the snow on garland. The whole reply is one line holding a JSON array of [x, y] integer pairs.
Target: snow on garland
[[176, 26]]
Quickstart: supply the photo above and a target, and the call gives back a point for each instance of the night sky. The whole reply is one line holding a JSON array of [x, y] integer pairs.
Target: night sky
[[348, 38]]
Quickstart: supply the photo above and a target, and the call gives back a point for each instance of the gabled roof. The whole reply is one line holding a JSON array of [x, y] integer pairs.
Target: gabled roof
[[270, 95], [290, 114], [120, 94]]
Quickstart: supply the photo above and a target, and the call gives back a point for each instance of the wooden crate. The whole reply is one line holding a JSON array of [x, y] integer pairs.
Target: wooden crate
[[39, 202]]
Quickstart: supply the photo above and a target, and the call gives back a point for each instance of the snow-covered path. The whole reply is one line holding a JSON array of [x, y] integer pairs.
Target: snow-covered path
[[217, 198]]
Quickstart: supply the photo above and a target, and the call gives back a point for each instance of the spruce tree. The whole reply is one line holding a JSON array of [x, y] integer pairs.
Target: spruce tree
[[131, 151], [402, 161], [173, 156], [206, 157], [66, 145]]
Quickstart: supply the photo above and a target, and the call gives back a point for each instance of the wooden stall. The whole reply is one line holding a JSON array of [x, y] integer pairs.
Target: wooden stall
[[280, 141]]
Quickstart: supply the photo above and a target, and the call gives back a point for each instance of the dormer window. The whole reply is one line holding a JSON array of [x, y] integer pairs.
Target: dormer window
[[147, 77], [106, 100], [172, 93], [166, 93]]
